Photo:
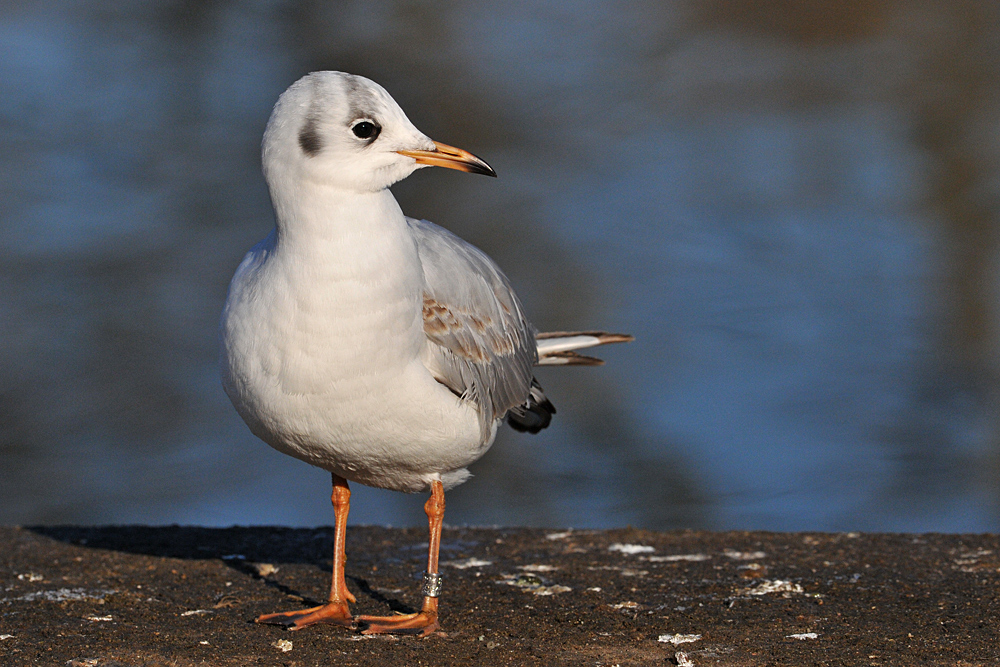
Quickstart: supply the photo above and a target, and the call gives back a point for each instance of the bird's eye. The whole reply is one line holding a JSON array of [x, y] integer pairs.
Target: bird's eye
[[365, 129]]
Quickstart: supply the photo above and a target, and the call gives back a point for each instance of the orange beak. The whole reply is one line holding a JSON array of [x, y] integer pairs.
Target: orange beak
[[444, 155]]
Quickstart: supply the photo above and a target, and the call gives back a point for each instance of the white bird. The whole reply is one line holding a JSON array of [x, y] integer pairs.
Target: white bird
[[383, 349]]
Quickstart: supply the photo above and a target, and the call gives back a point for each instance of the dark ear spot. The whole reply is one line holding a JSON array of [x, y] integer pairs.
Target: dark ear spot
[[309, 138]]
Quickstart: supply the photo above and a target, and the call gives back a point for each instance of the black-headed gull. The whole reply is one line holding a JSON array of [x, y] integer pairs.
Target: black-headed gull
[[381, 348]]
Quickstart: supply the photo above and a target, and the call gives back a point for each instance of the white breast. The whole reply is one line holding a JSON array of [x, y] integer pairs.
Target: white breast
[[321, 347]]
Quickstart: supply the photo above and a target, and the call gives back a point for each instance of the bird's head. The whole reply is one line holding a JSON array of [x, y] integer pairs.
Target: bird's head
[[346, 131]]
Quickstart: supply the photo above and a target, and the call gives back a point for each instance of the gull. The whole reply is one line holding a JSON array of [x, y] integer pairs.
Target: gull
[[383, 349]]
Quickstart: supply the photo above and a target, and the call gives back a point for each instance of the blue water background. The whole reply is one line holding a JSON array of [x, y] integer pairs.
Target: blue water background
[[792, 206]]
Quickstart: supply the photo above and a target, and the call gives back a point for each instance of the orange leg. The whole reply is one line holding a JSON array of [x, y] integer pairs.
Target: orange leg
[[425, 621], [336, 610]]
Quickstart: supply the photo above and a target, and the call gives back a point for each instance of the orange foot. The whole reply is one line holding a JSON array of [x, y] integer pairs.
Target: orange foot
[[423, 624], [334, 613]]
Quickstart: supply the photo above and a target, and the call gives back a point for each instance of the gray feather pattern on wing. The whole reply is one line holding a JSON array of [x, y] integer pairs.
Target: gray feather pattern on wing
[[479, 344]]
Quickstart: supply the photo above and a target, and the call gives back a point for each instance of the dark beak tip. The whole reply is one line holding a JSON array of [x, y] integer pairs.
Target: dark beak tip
[[483, 168]]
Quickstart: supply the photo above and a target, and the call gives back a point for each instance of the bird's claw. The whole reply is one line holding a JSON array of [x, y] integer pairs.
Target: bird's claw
[[422, 623], [332, 613]]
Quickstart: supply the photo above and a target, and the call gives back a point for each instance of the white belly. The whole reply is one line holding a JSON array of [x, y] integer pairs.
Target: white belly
[[322, 360]]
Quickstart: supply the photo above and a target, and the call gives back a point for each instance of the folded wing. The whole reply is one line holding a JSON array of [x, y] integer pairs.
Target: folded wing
[[479, 343]]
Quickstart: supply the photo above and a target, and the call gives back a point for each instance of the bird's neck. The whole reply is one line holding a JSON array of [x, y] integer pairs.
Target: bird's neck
[[311, 215], [353, 243]]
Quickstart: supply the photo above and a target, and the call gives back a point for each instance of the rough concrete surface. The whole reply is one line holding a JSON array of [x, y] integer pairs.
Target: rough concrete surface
[[135, 595]]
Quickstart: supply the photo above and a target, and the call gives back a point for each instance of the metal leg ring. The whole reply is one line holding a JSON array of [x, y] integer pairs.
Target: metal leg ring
[[432, 585]]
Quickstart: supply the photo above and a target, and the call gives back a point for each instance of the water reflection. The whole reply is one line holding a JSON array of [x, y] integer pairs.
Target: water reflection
[[790, 204]]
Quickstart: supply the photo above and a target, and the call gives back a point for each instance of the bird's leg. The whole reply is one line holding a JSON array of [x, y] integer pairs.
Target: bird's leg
[[341, 499], [425, 621], [336, 610]]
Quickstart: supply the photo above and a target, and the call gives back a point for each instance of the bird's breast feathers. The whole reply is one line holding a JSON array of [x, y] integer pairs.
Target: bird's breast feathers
[[334, 365]]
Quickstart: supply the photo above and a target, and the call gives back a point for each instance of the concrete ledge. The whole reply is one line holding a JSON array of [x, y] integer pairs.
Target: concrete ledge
[[135, 595]]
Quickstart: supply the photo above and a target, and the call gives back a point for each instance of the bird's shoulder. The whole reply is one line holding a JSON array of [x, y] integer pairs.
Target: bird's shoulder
[[467, 298]]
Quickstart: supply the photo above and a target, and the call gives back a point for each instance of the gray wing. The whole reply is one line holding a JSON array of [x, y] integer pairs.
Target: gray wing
[[479, 343]]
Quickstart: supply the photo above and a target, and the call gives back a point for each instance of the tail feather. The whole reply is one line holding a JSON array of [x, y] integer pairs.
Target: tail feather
[[568, 358], [556, 348]]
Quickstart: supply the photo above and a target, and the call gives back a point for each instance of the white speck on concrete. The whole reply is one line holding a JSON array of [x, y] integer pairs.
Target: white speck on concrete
[[196, 612], [624, 571], [631, 549], [264, 569], [774, 586], [531, 583], [62, 595], [538, 568], [283, 645], [743, 555], [628, 604], [682, 659], [467, 563], [803, 635], [678, 639], [694, 558]]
